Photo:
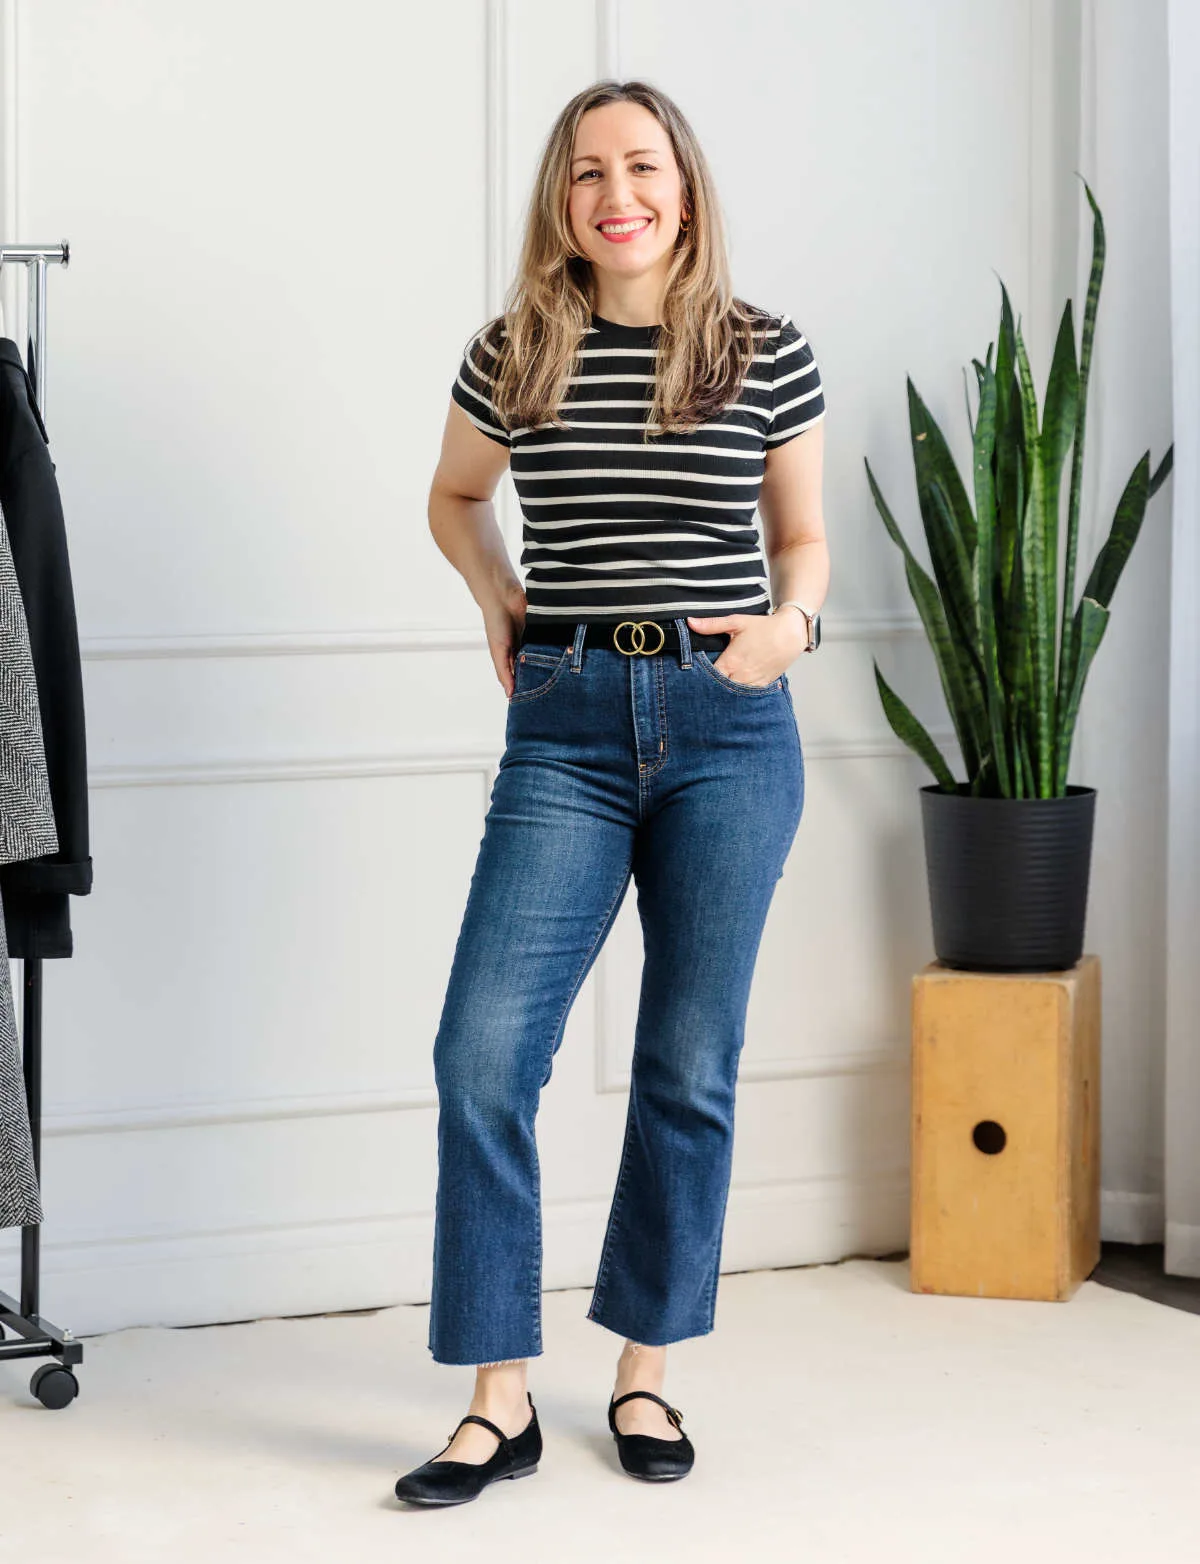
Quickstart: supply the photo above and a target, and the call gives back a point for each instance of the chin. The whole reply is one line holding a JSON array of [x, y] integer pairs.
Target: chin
[[626, 265]]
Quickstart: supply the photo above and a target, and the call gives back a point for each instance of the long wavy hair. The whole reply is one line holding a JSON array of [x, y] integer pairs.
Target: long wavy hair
[[708, 336]]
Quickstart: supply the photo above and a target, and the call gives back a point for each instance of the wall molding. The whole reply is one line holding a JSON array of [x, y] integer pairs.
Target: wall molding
[[204, 1113], [208, 1112], [211, 773], [8, 33], [304, 643], [495, 153], [485, 760], [608, 40], [858, 1061], [8, 161], [72, 1241], [1182, 1051], [869, 625], [497, 260]]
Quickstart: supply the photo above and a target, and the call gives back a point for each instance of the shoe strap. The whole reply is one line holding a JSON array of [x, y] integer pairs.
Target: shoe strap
[[505, 1442], [673, 1413], [483, 1422]]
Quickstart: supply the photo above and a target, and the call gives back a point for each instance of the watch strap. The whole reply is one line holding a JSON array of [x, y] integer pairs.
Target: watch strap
[[811, 621]]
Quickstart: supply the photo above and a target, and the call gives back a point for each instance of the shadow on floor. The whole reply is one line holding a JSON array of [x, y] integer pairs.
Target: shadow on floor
[[1139, 1268], [1136, 1268]]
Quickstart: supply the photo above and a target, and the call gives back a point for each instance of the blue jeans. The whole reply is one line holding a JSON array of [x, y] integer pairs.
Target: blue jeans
[[661, 768]]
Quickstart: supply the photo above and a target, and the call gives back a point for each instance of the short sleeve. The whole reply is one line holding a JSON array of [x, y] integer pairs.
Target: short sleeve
[[472, 389], [797, 398]]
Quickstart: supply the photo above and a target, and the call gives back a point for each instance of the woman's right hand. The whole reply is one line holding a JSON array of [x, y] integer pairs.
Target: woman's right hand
[[503, 622]]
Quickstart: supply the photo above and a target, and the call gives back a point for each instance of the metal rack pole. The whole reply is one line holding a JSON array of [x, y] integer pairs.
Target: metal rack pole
[[31, 1033], [54, 1386], [36, 257]]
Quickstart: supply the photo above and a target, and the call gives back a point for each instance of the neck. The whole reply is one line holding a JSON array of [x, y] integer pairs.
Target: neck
[[629, 301]]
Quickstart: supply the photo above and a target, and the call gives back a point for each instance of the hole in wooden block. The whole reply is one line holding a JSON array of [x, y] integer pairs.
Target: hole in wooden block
[[989, 1136]]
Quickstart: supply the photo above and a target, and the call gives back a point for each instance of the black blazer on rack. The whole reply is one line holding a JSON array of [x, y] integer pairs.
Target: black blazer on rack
[[34, 892]]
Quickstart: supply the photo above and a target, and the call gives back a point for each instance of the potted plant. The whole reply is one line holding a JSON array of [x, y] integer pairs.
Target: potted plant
[[1008, 851]]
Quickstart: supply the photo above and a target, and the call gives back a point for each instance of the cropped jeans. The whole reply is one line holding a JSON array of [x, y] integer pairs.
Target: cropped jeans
[[661, 769]]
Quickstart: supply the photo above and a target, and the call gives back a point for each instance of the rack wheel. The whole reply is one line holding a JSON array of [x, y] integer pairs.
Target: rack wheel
[[54, 1386]]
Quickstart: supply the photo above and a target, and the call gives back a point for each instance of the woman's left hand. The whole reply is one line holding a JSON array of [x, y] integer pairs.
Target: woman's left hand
[[762, 646]]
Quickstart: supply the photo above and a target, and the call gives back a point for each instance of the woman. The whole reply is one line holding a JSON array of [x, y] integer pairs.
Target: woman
[[650, 734]]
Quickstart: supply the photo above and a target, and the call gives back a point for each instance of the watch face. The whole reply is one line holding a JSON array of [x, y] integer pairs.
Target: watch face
[[816, 631]]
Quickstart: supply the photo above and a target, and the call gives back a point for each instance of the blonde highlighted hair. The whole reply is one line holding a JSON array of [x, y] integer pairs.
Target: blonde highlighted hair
[[708, 336]]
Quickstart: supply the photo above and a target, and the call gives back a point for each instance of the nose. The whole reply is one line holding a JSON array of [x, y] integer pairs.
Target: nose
[[620, 193]]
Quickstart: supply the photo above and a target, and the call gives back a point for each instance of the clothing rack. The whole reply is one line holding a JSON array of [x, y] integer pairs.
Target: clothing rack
[[53, 1384]]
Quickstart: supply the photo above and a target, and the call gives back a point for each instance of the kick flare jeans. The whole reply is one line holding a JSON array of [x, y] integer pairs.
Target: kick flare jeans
[[658, 769]]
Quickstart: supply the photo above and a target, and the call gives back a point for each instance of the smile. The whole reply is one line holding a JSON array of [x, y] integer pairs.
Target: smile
[[622, 231]]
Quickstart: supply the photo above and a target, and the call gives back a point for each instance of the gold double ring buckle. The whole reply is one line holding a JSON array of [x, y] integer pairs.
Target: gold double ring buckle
[[638, 637]]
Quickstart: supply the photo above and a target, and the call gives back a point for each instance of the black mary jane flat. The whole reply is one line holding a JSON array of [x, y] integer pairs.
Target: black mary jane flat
[[440, 1483], [642, 1455]]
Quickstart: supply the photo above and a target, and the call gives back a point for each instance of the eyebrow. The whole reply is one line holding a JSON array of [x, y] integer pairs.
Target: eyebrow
[[590, 157]]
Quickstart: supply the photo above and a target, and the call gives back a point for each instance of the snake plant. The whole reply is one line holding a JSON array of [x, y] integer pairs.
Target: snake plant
[[991, 611]]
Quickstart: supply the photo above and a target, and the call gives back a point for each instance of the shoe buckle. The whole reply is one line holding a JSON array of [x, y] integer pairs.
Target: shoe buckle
[[638, 637]]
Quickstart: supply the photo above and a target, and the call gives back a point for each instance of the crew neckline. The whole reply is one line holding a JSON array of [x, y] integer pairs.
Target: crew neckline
[[616, 329]]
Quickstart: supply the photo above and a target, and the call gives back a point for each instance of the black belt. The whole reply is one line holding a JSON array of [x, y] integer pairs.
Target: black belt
[[634, 637]]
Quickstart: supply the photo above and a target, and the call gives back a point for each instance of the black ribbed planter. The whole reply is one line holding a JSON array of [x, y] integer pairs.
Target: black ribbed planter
[[1008, 878]]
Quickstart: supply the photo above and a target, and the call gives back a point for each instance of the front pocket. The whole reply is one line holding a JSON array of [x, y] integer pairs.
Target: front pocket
[[536, 672], [706, 662]]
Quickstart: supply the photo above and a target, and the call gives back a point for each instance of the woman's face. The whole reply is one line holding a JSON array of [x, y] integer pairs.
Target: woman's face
[[626, 191]]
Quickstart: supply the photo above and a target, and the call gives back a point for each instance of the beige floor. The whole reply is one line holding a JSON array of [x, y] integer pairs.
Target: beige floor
[[837, 1418]]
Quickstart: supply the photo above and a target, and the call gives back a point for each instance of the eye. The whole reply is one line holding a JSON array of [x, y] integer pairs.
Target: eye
[[583, 178]]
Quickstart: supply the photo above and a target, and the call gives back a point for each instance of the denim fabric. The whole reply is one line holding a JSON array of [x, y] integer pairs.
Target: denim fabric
[[662, 769]]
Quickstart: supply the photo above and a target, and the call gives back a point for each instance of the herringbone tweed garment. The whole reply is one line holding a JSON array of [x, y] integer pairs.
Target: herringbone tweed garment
[[26, 831]]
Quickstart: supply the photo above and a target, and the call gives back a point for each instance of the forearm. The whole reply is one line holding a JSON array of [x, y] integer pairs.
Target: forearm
[[467, 533], [800, 571]]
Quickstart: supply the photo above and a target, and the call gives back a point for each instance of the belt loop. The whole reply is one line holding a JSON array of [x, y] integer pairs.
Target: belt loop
[[685, 644], [577, 647]]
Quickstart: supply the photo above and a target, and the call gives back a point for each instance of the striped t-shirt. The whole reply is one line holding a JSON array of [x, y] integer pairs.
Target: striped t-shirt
[[614, 525]]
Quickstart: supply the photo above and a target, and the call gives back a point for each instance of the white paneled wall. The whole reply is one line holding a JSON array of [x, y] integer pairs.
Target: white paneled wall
[[1123, 748], [285, 221]]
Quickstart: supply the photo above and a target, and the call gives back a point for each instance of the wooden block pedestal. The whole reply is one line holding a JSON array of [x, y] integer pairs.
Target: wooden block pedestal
[[1005, 1131]]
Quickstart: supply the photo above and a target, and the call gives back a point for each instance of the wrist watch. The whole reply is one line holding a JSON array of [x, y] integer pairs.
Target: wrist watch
[[812, 621]]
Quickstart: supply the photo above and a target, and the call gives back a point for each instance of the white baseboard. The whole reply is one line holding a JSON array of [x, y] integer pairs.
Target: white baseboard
[[1182, 1257], [1130, 1218], [96, 1285]]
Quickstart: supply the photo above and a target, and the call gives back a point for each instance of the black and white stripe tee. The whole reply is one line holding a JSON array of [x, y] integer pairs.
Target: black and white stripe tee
[[614, 525]]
